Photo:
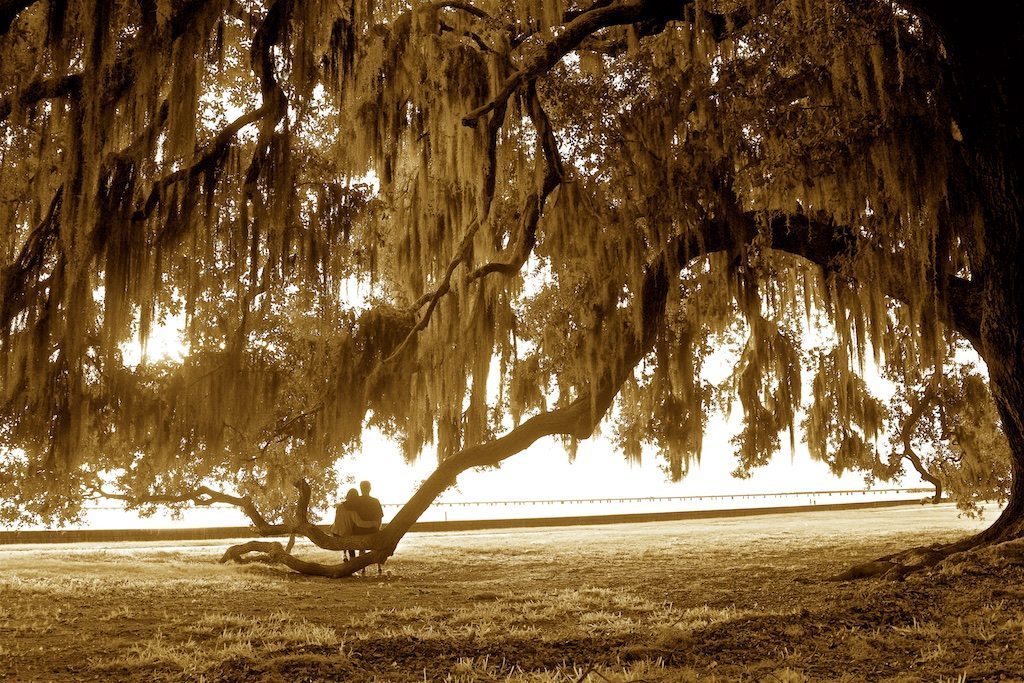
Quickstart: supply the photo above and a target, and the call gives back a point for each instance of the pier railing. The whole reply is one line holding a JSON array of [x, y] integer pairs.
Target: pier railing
[[499, 514]]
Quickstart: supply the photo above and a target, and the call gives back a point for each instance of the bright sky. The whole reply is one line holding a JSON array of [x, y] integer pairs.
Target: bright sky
[[543, 472]]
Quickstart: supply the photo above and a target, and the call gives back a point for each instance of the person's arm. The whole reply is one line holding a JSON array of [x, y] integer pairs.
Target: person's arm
[[337, 528], [358, 521]]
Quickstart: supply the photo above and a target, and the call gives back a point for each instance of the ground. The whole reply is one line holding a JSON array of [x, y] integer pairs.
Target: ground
[[716, 600]]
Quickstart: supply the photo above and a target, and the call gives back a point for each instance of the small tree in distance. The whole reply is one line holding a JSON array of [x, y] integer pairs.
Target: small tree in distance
[[943, 426], [951, 435], [539, 203]]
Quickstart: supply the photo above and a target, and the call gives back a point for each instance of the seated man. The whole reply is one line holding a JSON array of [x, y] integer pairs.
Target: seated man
[[369, 510], [348, 522]]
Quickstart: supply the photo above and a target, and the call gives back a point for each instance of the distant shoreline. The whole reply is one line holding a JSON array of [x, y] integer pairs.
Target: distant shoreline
[[228, 532]]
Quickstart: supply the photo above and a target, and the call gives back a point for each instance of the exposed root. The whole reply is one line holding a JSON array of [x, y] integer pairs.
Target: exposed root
[[272, 552], [972, 554], [985, 557], [898, 566]]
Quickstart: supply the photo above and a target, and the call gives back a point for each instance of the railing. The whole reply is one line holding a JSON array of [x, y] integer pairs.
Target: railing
[[668, 499], [495, 514], [628, 500]]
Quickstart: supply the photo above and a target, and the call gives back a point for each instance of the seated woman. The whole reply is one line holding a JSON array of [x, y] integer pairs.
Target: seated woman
[[347, 520]]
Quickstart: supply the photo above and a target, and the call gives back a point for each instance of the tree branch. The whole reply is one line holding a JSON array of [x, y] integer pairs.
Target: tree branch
[[275, 553], [207, 155], [462, 252], [823, 244], [570, 36], [38, 90], [202, 496], [534, 204], [917, 411], [578, 420], [9, 11], [121, 76], [16, 277], [827, 245]]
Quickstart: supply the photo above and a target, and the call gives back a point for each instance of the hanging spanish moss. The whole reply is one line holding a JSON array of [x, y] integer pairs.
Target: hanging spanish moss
[[441, 219]]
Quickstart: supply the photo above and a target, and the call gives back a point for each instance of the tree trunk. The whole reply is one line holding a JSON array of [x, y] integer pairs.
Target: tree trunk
[[1009, 395], [988, 109], [988, 112], [927, 476]]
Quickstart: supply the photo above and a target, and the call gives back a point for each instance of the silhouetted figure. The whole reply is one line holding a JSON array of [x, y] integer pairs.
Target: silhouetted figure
[[369, 509], [349, 522]]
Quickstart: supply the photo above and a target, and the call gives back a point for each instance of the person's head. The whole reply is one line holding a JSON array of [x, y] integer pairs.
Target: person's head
[[364, 486], [352, 494]]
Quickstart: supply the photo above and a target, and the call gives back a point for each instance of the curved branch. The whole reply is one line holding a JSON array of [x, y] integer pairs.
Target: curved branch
[[828, 245], [566, 40], [462, 253], [578, 419], [207, 155], [915, 460], [532, 211], [275, 553], [202, 496], [534, 204], [924, 401]]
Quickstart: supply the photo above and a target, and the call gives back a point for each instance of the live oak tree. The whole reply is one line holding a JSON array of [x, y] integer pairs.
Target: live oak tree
[[474, 224]]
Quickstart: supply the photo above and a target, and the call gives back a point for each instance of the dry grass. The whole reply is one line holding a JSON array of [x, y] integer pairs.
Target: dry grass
[[730, 599]]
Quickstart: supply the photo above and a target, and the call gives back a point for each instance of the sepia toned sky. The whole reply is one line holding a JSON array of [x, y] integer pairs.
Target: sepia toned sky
[[544, 471]]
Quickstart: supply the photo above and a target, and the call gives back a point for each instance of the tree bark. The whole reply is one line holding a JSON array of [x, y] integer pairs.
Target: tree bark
[[989, 110]]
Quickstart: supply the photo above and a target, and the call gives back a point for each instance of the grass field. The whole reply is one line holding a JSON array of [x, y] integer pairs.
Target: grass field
[[728, 599]]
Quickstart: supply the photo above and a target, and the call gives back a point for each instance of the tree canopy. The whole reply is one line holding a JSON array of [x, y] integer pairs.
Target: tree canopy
[[452, 220]]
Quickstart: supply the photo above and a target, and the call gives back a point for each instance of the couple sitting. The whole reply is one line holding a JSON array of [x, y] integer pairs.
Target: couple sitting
[[358, 515]]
